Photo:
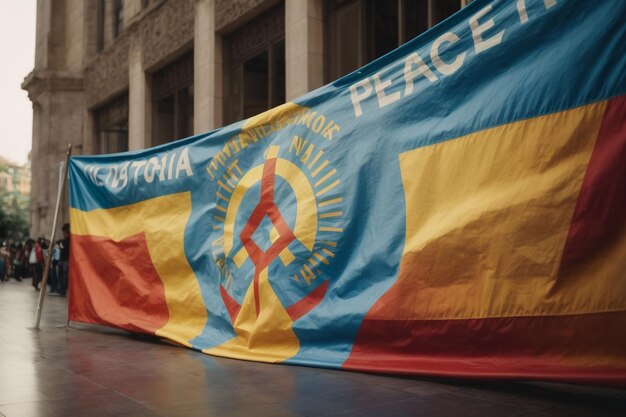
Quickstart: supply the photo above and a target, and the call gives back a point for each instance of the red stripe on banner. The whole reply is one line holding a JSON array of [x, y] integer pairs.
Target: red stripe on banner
[[309, 302], [572, 348], [118, 286], [600, 211], [232, 306]]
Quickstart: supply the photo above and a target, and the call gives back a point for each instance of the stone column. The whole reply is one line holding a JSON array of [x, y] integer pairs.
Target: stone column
[[304, 46], [207, 70], [58, 105], [139, 106], [131, 9]]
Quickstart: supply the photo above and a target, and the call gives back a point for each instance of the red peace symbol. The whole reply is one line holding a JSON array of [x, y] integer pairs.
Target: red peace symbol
[[265, 207]]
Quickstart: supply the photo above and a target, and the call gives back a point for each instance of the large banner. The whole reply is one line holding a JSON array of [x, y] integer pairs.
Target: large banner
[[455, 208]]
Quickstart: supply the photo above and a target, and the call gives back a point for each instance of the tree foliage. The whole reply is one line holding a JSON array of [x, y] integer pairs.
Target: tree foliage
[[13, 215]]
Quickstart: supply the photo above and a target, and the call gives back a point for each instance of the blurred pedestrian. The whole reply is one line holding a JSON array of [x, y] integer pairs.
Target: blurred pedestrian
[[4, 256], [33, 262], [18, 257], [53, 275], [26, 250], [40, 246], [64, 260], [11, 255]]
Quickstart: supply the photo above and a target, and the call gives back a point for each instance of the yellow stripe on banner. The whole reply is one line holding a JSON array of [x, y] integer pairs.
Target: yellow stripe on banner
[[162, 220], [487, 218], [268, 337]]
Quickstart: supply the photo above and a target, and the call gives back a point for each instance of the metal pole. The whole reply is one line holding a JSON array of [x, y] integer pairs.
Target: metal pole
[[42, 293]]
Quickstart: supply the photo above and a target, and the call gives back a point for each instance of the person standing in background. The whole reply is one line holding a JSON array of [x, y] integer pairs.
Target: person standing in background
[[10, 256], [25, 267], [4, 256], [41, 253], [33, 262], [54, 275], [16, 261], [64, 260]]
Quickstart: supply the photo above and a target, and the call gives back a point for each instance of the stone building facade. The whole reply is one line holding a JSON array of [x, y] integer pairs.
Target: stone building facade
[[116, 75]]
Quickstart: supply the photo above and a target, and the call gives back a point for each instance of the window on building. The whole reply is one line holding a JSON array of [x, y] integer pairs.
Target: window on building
[[363, 30], [264, 80], [100, 25], [442, 9], [118, 17], [346, 33], [114, 138], [172, 91], [109, 21], [111, 123], [255, 56]]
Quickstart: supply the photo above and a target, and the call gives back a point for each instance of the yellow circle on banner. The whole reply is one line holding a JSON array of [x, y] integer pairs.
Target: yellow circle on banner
[[305, 227]]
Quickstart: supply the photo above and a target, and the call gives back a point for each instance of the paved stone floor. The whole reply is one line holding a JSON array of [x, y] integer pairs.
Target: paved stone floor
[[94, 371]]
